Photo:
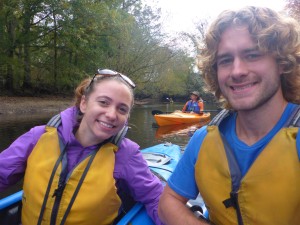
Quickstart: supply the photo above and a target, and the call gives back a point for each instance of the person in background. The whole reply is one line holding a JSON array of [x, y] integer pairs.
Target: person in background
[[246, 162], [170, 100], [195, 105], [76, 169]]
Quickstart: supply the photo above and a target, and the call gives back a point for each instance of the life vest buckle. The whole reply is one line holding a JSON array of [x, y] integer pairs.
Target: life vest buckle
[[232, 201], [59, 190]]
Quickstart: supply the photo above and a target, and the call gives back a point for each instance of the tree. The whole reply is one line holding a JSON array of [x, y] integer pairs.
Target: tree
[[48, 46], [293, 8]]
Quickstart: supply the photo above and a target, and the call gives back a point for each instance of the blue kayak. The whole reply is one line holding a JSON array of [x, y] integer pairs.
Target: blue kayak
[[162, 160]]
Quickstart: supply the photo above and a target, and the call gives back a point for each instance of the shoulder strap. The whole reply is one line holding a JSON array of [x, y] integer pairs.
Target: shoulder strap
[[294, 120], [55, 121], [219, 117], [119, 136]]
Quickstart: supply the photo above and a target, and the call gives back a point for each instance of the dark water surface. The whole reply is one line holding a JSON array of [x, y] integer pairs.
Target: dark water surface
[[142, 123]]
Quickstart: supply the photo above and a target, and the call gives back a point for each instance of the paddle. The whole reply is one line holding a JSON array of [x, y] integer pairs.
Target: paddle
[[157, 112]]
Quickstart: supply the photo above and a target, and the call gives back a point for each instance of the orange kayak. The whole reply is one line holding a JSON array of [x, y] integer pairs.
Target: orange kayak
[[180, 118]]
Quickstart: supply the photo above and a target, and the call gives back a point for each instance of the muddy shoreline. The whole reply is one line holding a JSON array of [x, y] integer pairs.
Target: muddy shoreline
[[10, 106], [32, 105]]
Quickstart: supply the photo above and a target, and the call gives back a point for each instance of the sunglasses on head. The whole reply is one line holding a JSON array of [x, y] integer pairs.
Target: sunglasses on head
[[107, 73]]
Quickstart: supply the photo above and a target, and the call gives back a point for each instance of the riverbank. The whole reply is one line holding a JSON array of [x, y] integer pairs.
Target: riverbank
[[33, 105], [30, 105]]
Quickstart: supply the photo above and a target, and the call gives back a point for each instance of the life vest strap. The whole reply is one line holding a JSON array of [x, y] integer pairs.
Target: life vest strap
[[55, 121], [294, 120], [219, 117]]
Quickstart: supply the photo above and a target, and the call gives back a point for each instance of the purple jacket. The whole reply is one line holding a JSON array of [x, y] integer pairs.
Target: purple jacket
[[131, 171]]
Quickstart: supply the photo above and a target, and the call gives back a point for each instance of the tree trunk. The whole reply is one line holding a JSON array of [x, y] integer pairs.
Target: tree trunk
[[27, 62]]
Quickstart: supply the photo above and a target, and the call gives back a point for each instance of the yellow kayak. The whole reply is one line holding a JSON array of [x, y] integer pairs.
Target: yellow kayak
[[179, 117]]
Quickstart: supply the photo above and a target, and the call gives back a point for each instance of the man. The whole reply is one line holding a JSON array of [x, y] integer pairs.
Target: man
[[245, 164], [195, 105]]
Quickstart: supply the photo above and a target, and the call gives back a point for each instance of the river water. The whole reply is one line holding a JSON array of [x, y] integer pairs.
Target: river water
[[143, 128]]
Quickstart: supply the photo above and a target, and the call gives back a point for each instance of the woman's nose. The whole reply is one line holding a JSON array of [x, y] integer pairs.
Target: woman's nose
[[111, 113]]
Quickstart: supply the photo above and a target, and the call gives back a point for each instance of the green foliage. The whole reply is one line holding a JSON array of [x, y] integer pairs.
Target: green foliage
[[293, 8], [50, 46]]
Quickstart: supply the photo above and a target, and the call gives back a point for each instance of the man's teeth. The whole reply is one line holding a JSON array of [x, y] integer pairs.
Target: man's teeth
[[242, 88]]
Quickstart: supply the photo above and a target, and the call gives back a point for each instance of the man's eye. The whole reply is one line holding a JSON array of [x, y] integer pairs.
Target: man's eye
[[253, 56], [224, 61]]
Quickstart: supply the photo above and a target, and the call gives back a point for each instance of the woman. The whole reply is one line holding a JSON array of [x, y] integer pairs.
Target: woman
[[77, 168], [195, 105]]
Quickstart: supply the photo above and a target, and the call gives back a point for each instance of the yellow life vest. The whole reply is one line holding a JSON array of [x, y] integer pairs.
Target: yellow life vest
[[97, 201], [269, 192]]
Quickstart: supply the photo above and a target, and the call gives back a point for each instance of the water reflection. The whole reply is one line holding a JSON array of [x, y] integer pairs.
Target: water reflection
[[12, 126], [178, 129]]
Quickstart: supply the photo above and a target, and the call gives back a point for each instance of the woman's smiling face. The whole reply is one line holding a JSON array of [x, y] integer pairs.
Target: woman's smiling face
[[106, 110]]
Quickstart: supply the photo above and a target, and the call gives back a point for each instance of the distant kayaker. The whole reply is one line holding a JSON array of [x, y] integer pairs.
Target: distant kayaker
[[195, 105], [246, 162], [79, 168]]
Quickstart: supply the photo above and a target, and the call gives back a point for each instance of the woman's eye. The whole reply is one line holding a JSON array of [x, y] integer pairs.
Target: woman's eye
[[124, 110], [103, 102]]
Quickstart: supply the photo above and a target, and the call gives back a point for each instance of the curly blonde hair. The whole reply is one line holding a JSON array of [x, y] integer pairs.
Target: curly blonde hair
[[274, 34]]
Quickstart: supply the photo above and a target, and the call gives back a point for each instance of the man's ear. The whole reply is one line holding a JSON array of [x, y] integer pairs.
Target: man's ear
[[280, 69]]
